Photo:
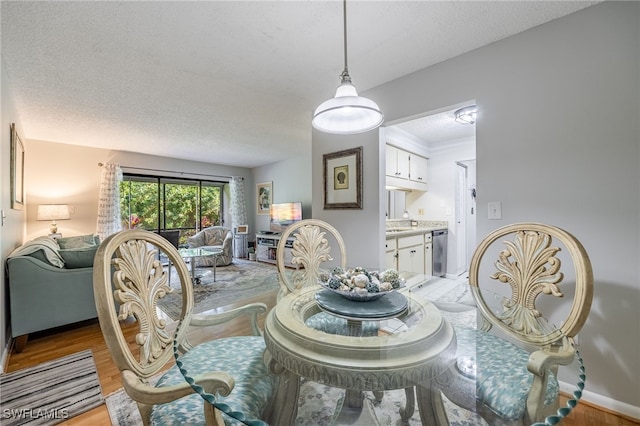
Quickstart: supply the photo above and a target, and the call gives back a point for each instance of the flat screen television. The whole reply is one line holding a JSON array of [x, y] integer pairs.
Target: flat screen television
[[283, 215]]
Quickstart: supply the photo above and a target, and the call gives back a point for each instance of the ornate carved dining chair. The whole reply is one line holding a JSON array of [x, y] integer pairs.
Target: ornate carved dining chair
[[311, 253], [127, 273], [307, 246], [534, 312]]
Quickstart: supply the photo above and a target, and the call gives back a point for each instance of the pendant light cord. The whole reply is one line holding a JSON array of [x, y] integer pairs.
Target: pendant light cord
[[345, 73]]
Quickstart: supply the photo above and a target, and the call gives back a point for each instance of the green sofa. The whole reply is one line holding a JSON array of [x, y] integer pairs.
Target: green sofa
[[50, 284]]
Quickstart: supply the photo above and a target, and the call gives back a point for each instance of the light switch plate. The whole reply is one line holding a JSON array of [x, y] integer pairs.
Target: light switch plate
[[495, 210]]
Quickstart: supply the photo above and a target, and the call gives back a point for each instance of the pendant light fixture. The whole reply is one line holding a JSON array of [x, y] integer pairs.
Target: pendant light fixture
[[347, 113]]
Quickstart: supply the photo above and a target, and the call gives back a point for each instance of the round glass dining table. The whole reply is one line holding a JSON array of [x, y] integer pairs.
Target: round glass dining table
[[396, 342]]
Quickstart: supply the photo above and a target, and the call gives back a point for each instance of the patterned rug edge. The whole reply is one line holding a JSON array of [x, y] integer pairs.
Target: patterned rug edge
[[46, 394]]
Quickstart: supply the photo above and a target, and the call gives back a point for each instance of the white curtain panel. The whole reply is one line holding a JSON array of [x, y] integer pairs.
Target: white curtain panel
[[238, 211], [109, 202]]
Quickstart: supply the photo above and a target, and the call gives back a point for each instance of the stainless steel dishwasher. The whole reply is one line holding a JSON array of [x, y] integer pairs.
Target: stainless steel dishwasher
[[440, 252]]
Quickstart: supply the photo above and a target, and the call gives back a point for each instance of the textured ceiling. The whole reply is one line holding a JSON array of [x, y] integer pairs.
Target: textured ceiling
[[220, 81]]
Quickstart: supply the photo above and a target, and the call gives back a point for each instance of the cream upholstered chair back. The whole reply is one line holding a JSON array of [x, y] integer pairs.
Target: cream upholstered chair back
[[129, 277], [310, 252]]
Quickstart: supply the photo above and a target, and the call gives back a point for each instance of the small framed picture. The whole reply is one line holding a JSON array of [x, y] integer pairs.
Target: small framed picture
[[343, 179], [264, 194], [17, 170], [242, 229]]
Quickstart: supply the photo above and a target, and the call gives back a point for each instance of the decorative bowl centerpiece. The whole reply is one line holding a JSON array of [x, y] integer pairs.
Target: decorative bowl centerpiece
[[359, 284]]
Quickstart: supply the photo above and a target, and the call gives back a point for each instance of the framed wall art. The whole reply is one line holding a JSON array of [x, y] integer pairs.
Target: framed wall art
[[343, 179], [264, 194], [17, 170]]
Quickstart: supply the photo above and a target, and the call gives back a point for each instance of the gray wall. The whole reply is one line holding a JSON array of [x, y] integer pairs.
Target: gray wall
[[361, 228], [12, 231], [291, 182], [557, 141]]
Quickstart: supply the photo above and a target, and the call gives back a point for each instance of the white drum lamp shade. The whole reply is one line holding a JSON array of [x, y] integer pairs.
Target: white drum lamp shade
[[53, 212]]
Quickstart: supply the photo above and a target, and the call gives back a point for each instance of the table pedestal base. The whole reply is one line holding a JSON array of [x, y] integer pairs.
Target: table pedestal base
[[349, 415]]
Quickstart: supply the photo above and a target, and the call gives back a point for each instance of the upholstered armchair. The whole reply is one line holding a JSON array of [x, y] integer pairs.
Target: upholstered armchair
[[217, 237]]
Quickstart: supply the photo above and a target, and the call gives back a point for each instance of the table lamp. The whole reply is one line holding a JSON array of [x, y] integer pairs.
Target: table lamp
[[53, 212]]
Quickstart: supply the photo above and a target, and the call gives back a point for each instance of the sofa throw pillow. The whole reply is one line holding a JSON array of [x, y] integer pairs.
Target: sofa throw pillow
[[80, 241], [79, 257]]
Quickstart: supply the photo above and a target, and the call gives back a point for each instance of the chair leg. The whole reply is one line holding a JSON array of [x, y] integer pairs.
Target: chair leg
[[212, 416]]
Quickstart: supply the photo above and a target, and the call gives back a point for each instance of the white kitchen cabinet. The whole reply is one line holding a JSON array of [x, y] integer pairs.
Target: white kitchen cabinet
[[417, 168], [397, 162], [411, 254], [391, 254], [405, 170]]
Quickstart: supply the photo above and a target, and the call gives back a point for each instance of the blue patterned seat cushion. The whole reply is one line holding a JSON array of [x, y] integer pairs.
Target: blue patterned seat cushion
[[334, 325], [496, 359], [239, 356]]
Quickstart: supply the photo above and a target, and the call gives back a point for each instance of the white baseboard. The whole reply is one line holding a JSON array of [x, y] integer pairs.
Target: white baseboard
[[603, 401]]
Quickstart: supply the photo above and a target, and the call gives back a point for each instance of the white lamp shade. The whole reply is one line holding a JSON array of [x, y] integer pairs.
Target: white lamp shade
[[347, 113], [53, 212]]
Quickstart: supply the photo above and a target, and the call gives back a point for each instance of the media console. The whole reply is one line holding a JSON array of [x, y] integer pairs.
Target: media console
[[267, 248]]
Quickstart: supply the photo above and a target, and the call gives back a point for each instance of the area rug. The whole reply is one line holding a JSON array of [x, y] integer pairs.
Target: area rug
[[51, 392], [457, 305], [318, 405], [239, 280]]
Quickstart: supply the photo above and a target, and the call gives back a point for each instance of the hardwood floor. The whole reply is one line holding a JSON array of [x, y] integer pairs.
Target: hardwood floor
[[65, 341]]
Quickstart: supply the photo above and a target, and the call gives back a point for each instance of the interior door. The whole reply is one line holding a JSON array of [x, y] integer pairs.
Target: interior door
[[465, 213], [461, 220]]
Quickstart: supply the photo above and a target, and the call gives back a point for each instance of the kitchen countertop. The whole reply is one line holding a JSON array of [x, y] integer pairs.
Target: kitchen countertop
[[414, 230], [403, 227]]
